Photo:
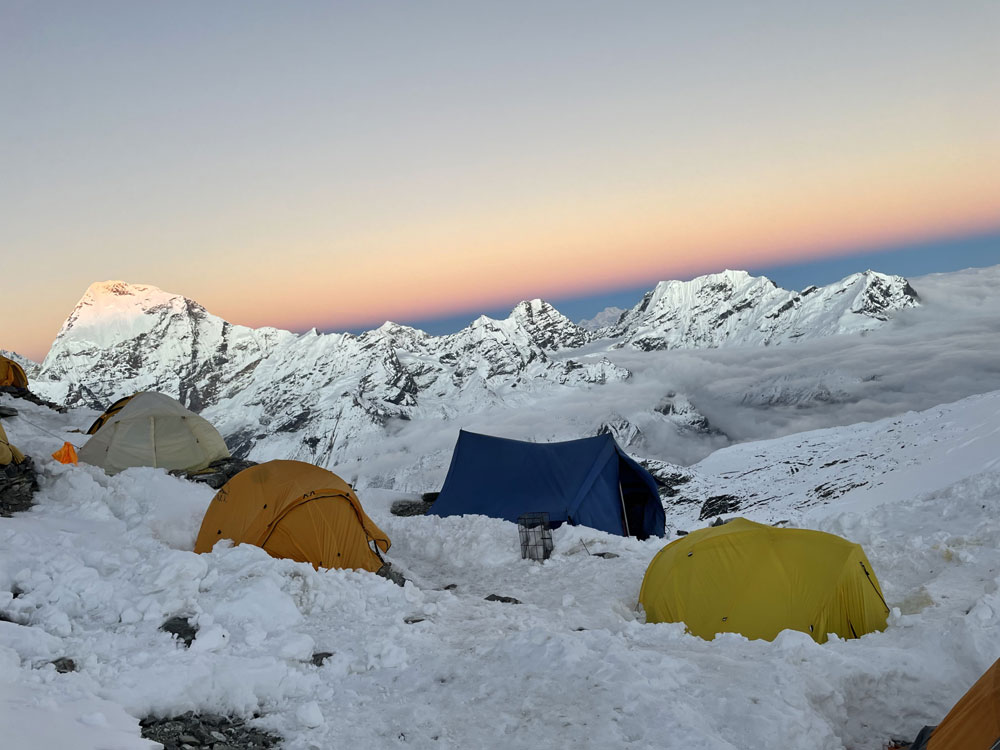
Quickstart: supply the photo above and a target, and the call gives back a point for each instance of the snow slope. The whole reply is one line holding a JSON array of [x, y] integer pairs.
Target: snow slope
[[856, 468], [101, 561]]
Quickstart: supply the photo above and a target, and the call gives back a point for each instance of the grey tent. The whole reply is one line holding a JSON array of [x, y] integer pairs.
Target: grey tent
[[154, 430]]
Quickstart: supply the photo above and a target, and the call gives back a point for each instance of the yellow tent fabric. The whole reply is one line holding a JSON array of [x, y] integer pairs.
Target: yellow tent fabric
[[116, 407], [8, 453], [11, 373], [297, 511], [974, 722], [154, 430], [745, 577]]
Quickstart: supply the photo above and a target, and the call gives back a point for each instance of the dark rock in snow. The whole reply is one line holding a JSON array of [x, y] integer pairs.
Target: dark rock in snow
[[17, 487], [504, 599], [7, 411], [412, 620], [605, 555], [321, 656], [386, 571], [719, 505], [205, 732], [216, 473], [182, 628], [64, 664], [410, 508], [27, 395], [429, 497]]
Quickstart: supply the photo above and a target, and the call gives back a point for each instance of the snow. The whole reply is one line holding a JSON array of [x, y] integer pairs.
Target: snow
[[905, 464], [100, 562]]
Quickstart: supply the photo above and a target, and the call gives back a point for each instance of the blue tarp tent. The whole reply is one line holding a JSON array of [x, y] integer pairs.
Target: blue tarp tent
[[589, 482]]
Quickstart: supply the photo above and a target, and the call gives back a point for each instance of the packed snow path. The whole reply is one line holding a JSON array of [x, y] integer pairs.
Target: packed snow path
[[101, 562]]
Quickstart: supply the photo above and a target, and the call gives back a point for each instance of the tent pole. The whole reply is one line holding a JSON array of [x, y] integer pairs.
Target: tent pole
[[621, 494]]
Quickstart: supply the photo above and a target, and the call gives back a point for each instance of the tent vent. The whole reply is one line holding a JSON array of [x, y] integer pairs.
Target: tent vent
[[536, 536]]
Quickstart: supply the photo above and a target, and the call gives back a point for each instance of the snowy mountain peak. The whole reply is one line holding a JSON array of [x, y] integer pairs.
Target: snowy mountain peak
[[606, 318], [320, 396], [733, 308], [112, 310], [121, 295], [880, 294], [549, 328]]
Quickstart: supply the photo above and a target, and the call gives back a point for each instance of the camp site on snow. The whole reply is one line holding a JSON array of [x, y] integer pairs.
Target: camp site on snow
[[732, 577]]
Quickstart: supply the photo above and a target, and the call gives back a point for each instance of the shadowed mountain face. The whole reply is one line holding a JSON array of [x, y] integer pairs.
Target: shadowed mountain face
[[328, 398]]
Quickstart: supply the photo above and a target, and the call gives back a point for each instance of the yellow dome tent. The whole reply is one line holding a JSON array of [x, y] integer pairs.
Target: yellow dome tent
[[294, 510], [973, 722], [11, 373], [9, 454], [116, 407], [745, 577], [154, 430]]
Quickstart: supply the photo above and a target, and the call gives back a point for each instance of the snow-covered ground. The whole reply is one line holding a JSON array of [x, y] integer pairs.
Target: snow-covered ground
[[100, 562]]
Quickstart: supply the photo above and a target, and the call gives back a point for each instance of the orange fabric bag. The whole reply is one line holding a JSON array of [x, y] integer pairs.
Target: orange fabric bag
[[66, 454]]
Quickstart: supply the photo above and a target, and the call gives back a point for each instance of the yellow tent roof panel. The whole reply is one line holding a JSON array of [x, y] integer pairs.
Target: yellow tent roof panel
[[757, 580]]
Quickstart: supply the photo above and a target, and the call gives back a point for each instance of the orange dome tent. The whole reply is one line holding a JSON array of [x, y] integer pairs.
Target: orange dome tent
[[11, 373], [973, 723], [297, 511]]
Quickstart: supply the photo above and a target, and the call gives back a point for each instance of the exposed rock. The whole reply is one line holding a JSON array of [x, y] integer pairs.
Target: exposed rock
[[668, 477], [410, 508], [412, 620], [504, 599], [27, 395], [320, 656], [205, 732], [17, 487], [387, 571], [182, 628], [719, 505], [216, 473], [64, 664], [7, 411]]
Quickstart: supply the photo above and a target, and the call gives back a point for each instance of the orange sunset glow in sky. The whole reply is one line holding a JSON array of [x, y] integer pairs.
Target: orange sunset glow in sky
[[333, 165]]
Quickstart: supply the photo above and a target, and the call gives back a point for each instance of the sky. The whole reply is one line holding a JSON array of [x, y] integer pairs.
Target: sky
[[334, 165]]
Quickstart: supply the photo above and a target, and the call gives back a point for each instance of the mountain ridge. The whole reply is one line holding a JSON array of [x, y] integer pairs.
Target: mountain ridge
[[323, 397]]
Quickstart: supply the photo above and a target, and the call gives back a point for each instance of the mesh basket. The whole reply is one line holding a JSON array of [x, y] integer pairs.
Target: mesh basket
[[536, 536]]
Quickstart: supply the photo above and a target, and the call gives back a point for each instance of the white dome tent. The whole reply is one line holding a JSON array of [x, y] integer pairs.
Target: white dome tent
[[154, 430]]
